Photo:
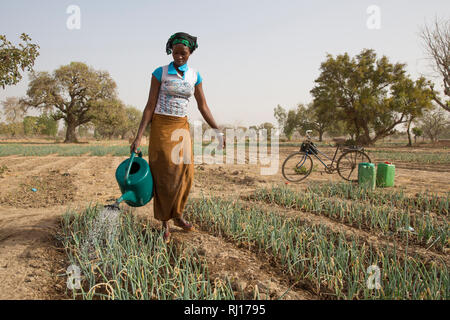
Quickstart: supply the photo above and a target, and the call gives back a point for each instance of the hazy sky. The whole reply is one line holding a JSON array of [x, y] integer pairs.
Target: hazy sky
[[252, 55]]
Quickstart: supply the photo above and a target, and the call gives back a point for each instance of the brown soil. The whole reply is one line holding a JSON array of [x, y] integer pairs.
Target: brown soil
[[46, 189], [32, 264]]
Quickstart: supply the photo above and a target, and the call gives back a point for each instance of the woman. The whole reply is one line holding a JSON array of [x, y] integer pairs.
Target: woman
[[171, 88]]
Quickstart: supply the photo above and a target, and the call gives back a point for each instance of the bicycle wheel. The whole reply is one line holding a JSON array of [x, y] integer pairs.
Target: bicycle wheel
[[297, 167], [347, 164]]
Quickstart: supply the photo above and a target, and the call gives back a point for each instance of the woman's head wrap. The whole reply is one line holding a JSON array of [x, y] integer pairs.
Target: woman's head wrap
[[184, 38]]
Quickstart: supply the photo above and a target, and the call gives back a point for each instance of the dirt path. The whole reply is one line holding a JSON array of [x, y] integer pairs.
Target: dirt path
[[30, 262]]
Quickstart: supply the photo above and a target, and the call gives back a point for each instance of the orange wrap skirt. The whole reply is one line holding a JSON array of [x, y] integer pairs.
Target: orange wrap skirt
[[171, 161]]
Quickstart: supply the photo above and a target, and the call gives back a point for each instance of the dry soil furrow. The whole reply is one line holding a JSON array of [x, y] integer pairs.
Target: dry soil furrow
[[246, 271], [50, 163], [25, 164], [29, 260], [81, 163], [12, 180], [15, 163], [96, 180], [376, 240], [105, 177]]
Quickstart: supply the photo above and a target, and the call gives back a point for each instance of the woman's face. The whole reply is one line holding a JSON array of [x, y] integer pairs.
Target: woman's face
[[180, 54]]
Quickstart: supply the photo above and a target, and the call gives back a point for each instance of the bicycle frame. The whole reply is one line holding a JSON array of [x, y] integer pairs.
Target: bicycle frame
[[323, 154], [308, 148]]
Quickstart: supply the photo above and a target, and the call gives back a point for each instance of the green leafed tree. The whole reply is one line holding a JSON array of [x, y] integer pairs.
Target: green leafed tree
[[266, 125], [109, 118], [30, 126], [73, 92], [41, 125], [131, 124], [418, 132], [287, 121], [319, 120], [14, 60], [291, 124], [370, 95], [47, 124]]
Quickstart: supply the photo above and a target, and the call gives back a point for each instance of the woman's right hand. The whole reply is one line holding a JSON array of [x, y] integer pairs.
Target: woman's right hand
[[135, 145]]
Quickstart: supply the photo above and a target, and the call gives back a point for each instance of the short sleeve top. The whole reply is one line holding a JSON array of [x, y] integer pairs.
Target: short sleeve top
[[176, 90]]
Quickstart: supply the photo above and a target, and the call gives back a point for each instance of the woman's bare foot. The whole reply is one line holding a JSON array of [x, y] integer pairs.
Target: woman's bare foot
[[166, 235], [180, 222]]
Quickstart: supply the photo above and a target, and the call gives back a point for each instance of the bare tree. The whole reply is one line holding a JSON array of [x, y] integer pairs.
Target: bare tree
[[437, 45], [14, 110], [434, 123]]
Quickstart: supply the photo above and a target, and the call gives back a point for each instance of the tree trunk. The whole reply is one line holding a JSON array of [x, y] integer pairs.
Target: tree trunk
[[409, 135], [70, 133], [365, 139], [320, 135]]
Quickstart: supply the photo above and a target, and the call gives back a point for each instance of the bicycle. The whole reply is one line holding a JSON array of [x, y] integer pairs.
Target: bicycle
[[299, 165]]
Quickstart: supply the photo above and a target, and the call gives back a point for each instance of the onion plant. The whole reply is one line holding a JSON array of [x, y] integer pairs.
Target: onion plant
[[129, 260]]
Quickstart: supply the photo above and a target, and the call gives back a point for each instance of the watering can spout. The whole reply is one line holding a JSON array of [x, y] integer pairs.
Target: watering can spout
[[129, 195]]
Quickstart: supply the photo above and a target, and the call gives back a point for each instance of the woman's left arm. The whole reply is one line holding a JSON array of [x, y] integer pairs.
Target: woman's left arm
[[203, 106], [206, 113]]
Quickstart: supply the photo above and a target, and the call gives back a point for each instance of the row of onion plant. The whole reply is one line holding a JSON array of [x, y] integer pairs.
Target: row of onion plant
[[420, 228], [330, 263], [126, 259], [424, 202]]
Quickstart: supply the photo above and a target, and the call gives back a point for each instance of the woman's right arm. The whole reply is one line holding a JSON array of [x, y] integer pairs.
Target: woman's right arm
[[148, 112]]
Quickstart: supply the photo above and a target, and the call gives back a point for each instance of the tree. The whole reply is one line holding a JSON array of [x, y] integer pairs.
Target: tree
[[318, 119], [12, 59], [30, 126], [42, 125], [13, 110], [437, 46], [305, 117], [131, 124], [267, 126], [287, 121], [11, 129], [434, 123], [74, 93], [417, 133], [372, 96], [109, 118], [280, 115], [291, 124], [47, 124], [84, 129]]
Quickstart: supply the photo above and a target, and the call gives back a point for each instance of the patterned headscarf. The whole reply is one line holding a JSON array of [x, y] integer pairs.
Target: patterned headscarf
[[184, 38]]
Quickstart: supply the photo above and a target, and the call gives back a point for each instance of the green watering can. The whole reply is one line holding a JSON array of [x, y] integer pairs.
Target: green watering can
[[135, 181]]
